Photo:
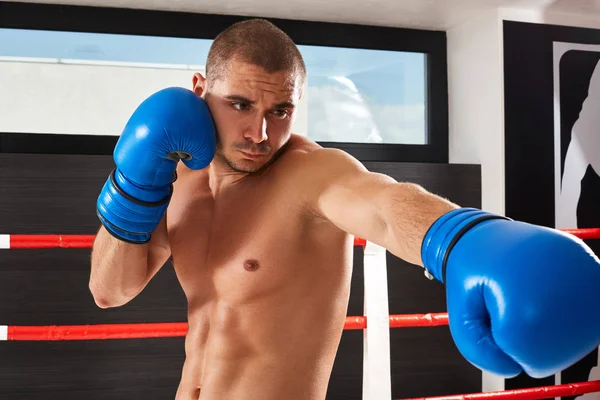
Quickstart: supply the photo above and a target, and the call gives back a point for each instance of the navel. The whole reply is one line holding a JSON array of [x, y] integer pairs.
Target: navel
[[251, 265]]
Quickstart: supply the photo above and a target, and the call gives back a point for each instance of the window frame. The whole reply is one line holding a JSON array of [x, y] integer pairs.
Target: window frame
[[432, 44]]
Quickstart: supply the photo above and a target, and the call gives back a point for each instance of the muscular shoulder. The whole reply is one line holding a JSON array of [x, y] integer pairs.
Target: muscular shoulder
[[310, 169], [300, 145], [306, 158]]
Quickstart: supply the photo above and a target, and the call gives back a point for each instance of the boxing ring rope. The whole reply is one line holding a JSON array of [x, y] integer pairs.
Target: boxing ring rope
[[584, 233], [86, 241], [376, 311], [177, 329], [542, 392], [66, 241]]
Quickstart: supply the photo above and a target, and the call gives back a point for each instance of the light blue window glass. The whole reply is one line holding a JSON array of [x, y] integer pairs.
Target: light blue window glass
[[352, 95]]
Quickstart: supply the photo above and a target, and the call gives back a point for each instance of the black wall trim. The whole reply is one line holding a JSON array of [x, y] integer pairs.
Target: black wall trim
[[204, 26], [529, 116], [37, 143]]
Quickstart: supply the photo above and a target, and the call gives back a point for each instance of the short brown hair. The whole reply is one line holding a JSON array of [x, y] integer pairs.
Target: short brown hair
[[258, 42]]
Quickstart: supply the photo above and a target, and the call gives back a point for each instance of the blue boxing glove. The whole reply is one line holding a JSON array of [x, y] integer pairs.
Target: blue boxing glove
[[172, 124], [520, 297]]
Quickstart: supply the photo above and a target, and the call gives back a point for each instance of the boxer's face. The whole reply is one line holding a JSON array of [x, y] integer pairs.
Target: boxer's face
[[253, 112]]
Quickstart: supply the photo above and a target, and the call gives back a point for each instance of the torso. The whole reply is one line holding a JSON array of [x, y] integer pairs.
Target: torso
[[267, 285]]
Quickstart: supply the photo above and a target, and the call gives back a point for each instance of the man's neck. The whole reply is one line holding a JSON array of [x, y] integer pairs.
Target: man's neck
[[222, 177]]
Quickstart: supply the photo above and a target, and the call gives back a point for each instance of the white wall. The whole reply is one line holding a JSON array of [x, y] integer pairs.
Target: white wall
[[476, 120], [542, 16], [476, 98], [66, 97], [475, 102]]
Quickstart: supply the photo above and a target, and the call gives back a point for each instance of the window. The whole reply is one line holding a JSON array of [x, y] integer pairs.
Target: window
[[365, 96], [82, 76]]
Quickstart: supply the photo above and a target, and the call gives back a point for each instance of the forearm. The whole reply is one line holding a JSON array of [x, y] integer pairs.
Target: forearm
[[411, 212], [119, 270]]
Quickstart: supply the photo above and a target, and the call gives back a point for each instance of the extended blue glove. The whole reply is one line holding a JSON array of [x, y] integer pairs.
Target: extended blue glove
[[520, 297], [172, 124]]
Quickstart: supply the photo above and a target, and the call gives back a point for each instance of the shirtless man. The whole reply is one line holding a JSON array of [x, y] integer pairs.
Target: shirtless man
[[259, 223]]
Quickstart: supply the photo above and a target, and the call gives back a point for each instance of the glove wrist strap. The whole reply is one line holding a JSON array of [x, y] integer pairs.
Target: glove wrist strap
[[443, 235], [165, 200], [127, 217]]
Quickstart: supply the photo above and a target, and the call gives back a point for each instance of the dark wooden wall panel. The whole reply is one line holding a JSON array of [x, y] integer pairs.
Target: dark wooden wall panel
[[56, 194]]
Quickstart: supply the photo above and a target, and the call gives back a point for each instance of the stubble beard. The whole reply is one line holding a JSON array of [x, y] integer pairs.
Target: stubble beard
[[220, 154]]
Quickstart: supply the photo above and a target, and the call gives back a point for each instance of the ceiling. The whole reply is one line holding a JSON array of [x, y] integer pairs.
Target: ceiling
[[422, 14]]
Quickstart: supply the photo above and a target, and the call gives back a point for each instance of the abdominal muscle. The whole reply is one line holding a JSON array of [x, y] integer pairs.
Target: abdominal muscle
[[260, 350]]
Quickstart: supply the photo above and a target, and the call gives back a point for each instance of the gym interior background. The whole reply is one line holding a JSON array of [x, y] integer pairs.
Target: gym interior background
[[466, 108]]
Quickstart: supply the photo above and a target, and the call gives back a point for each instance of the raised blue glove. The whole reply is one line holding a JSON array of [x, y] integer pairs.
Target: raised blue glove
[[172, 124], [520, 297]]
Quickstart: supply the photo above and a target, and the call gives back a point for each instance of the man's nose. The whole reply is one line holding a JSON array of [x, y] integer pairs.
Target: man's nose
[[258, 131]]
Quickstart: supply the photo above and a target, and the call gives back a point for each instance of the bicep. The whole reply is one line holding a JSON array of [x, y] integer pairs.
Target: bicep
[[355, 200]]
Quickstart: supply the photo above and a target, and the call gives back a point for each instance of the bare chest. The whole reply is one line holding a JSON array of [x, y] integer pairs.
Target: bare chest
[[243, 244]]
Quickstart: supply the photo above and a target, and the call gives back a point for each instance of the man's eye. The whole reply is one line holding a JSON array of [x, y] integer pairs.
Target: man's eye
[[280, 113], [240, 106]]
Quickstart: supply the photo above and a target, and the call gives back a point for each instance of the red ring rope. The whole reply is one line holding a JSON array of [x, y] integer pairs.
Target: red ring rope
[[98, 332], [86, 241], [72, 241], [585, 233], [51, 241], [177, 329], [418, 320], [543, 392]]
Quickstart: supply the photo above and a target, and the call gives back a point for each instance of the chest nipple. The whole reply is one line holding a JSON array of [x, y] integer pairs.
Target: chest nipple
[[251, 265]]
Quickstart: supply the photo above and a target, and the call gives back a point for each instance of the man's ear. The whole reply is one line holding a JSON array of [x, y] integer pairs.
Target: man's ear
[[199, 84]]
